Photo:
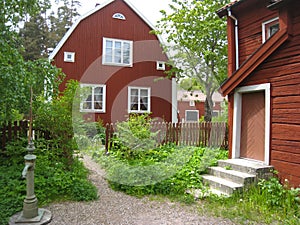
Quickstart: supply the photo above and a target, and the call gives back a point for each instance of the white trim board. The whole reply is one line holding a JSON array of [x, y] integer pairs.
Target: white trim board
[[237, 117]]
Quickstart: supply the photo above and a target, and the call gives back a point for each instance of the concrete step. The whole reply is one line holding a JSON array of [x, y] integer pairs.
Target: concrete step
[[247, 166], [221, 184], [232, 175]]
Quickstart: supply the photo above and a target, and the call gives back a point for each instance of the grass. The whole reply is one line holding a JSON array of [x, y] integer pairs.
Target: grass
[[253, 207]]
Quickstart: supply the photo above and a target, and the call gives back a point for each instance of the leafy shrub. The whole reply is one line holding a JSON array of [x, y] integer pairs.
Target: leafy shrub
[[53, 182], [280, 196], [167, 170], [55, 117], [134, 136]]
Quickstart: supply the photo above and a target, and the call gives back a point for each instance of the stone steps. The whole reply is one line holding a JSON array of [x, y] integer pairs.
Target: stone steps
[[234, 175]]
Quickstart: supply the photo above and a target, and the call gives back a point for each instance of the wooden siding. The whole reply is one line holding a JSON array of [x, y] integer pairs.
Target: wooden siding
[[282, 70], [87, 43]]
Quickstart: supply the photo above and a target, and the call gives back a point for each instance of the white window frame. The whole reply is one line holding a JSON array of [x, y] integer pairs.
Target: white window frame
[[191, 121], [192, 103], [160, 65], [217, 112], [265, 28], [113, 63], [93, 86], [69, 56], [139, 110]]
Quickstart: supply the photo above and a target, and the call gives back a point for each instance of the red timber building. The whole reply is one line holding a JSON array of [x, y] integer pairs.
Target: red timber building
[[119, 64], [263, 84]]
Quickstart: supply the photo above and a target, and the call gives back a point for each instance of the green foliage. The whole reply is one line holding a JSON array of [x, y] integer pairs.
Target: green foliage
[[134, 135], [55, 117], [197, 41], [270, 202], [167, 170], [54, 179]]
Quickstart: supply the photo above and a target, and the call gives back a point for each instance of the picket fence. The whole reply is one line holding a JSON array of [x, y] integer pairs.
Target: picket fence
[[205, 134]]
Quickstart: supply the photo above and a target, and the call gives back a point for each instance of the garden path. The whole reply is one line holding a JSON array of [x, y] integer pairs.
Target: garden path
[[117, 208]]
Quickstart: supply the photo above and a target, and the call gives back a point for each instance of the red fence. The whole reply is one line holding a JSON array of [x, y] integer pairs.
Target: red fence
[[204, 134]]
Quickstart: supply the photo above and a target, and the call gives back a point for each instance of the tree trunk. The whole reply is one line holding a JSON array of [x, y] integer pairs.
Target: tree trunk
[[208, 106]]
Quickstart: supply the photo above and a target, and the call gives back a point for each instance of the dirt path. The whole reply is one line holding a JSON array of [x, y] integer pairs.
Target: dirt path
[[117, 208]]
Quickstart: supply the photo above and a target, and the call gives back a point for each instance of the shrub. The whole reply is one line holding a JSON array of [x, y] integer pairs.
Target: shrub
[[53, 182], [166, 170]]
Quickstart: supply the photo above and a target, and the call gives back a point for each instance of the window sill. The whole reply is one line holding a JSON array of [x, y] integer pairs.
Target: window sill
[[91, 111], [117, 64]]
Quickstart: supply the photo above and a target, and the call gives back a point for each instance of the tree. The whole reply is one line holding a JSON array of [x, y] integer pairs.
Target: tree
[[34, 38], [197, 40], [62, 20], [17, 76]]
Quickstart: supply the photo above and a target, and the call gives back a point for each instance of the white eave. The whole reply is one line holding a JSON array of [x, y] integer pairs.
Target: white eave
[[96, 9]]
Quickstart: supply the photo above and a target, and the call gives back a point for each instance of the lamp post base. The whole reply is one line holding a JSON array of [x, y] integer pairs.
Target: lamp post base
[[44, 217]]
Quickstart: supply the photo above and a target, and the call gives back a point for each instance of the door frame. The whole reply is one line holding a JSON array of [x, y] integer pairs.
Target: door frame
[[237, 118]]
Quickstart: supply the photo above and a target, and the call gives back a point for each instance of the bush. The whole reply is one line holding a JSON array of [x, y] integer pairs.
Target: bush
[[167, 170], [53, 182]]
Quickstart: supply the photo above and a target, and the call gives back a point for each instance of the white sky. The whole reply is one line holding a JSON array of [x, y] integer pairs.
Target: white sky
[[149, 8]]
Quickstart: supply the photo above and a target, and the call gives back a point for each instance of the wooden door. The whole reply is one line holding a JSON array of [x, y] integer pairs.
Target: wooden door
[[253, 126]]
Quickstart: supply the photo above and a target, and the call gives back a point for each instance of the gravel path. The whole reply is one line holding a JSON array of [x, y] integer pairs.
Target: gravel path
[[117, 208]]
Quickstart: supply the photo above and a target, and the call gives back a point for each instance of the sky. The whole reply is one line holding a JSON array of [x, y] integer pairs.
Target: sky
[[149, 8]]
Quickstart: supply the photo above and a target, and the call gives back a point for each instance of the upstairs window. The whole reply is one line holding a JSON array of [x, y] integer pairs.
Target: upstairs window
[[92, 98], [117, 52], [269, 28], [138, 100], [69, 56]]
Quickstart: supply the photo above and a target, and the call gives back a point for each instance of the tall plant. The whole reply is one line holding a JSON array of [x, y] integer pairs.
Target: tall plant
[[197, 43]]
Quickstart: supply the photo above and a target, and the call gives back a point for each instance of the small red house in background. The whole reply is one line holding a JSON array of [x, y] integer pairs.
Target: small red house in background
[[119, 64], [263, 84], [191, 105]]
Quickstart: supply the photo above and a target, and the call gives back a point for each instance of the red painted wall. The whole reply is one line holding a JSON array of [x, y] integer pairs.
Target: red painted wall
[[282, 71], [87, 43]]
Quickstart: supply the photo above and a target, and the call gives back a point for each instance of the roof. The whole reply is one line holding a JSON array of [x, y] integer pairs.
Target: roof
[[91, 12], [223, 11], [186, 96], [272, 5]]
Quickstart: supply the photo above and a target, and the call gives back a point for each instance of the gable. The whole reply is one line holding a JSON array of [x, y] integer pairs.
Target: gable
[[116, 15]]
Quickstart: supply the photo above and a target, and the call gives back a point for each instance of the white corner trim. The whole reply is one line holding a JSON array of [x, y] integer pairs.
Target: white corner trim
[[237, 114], [174, 101]]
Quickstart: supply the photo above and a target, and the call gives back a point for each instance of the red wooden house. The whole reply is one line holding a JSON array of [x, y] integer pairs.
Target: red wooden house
[[118, 63], [191, 105], [263, 84]]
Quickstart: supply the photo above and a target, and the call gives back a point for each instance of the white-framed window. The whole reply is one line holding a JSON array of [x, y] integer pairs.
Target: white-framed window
[[160, 65], [191, 115], [139, 100], [93, 98], [215, 113], [119, 16], [117, 52], [269, 28], [69, 56], [192, 103]]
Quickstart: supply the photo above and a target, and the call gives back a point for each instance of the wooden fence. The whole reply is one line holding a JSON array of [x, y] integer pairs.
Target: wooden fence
[[206, 134], [14, 130]]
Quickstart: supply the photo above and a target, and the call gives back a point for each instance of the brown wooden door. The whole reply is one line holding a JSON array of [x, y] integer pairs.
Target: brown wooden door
[[253, 126]]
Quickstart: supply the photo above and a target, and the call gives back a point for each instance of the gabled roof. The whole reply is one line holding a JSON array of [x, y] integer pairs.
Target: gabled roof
[[223, 11], [196, 95], [96, 9], [259, 56]]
